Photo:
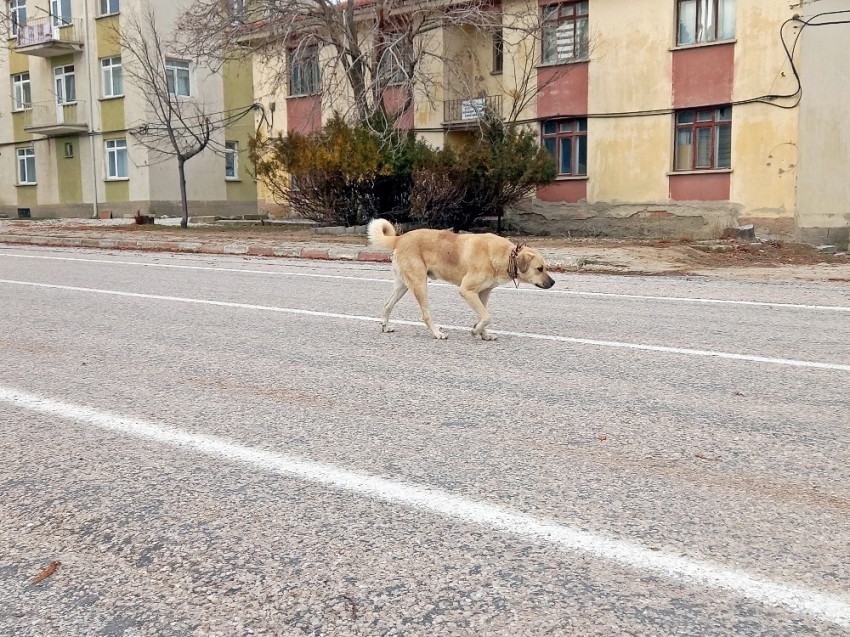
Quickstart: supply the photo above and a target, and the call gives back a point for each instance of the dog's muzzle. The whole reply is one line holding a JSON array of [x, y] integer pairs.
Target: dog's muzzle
[[548, 283]]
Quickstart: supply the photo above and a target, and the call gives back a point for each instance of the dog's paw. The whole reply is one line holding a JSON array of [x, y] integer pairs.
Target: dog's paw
[[441, 336], [488, 337], [387, 329]]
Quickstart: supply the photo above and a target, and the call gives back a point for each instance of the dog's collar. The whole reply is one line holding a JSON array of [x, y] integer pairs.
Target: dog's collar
[[512, 263]]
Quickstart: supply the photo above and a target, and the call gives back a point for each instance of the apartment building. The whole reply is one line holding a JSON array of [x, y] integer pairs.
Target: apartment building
[[673, 118], [67, 147]]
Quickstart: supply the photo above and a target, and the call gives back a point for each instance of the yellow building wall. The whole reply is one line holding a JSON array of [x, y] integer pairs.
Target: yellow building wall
[[69, 171], [17, 63], [630, 70], [764, 138], [238, 85], [429, 96], [628, 159], [107, 31]]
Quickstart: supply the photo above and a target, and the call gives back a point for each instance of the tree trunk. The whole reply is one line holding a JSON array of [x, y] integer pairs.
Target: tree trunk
[[184, 222]]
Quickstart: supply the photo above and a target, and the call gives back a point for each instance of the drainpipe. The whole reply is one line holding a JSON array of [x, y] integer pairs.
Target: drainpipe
[[91, 106]]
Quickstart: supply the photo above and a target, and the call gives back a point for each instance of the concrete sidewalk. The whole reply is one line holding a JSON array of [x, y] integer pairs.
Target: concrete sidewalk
[[311, 250], [757, 261]]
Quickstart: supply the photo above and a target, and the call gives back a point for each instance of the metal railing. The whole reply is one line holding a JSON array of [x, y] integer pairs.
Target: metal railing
[[51, 29], [42, 114], [470, 109]]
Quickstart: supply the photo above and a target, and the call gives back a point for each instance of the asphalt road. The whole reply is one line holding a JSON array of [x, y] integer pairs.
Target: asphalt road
[[230, 446]]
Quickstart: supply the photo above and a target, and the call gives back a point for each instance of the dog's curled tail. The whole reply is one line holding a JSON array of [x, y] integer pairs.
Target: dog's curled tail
[[382, 233]]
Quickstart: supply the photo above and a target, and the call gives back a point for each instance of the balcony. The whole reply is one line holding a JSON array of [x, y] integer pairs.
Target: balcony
[[465, 112], [43, 38], [50, 118]]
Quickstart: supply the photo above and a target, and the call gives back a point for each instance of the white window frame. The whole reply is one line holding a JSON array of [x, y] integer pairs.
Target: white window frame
[[61, 77], [705, 21], [21, 92], [109, 67], [60, 10], [17, 16], [114, 149], [231, 160], [175, 70], [109, 7], [26, 165]]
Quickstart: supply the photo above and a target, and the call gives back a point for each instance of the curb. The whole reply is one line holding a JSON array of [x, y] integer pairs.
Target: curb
[[194, 247]]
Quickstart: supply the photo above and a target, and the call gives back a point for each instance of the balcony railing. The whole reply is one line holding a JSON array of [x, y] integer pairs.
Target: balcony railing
[[471, 109], [50, 118], [50, 36]]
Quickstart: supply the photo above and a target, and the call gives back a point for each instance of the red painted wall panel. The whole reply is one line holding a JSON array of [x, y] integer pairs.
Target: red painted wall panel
[[394, 97], [304, 114], [569, 191], [702, 76], [562, 90], [700, 187]]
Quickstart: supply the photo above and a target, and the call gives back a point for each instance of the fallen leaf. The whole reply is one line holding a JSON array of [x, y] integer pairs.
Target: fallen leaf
[[702, 456], [50, 570]]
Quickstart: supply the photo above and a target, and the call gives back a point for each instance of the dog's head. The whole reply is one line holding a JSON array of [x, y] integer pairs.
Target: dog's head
[[531, 268]]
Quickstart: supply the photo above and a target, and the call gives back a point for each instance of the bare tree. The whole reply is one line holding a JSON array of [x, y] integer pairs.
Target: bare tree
[[365, 47], [179, 127]]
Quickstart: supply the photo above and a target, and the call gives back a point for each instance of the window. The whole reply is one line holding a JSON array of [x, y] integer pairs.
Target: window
[[66, 85], [17, 15], [396, 54], [109, 7], [566, 141], [304, 70], [703, 139], [113, 77], [706, 21], [60, 11], [498, 51], [116, 159], [177, 76], [21, 92], [26, 166], [564, 32], [231, 160]]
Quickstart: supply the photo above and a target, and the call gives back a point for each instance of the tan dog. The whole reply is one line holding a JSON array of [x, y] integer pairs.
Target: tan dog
[[474, 262]]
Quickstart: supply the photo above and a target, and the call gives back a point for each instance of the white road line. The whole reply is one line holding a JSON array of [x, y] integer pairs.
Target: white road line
[[529, 335], [798, 599], [508, 288]]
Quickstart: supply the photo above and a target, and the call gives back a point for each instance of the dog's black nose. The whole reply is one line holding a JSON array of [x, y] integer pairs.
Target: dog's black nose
[[550, 283]]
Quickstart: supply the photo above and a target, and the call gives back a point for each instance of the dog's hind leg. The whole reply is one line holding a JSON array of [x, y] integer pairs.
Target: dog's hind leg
[[477, 300], [399, 290], [420, 291]]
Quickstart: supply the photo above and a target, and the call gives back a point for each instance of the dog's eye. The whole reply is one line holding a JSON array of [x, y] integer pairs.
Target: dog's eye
[[540, 269]]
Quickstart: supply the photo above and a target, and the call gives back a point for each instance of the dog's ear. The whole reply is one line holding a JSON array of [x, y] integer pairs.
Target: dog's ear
[[523, 261]]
